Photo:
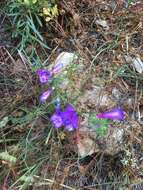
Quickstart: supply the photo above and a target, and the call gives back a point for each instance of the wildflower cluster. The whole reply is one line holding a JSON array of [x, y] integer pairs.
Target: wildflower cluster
[[67, 118]]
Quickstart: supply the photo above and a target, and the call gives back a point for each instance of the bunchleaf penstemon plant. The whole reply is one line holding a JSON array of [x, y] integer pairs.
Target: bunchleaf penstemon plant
[[69, 117]]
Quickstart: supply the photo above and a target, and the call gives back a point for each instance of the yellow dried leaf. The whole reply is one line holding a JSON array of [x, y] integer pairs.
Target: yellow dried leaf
[[54, 11], [47, 19], [46, 11], [62, 135]]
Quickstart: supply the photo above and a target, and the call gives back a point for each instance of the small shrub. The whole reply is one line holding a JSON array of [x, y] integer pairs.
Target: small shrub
[[26, 17], [99, 125]]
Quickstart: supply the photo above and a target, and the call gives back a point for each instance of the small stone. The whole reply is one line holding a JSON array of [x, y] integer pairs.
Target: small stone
[[98, 96], [88, 142], [116, 93], [103, 23]]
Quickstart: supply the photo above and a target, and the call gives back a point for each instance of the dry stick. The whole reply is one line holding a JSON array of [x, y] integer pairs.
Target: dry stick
[[24, 60], [51, 182], [63, 171]]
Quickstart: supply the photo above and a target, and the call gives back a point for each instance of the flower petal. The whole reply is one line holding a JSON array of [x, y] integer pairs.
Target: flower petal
[[69, 127], [57, 120]]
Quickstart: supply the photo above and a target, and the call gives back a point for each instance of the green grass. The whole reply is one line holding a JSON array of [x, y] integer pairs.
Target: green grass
[[26, 22]]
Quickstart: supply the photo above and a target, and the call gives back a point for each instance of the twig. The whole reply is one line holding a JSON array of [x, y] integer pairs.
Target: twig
[[51, 182]]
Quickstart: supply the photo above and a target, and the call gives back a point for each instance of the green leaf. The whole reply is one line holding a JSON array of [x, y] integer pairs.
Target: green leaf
[[7, 157], [3, 122], [27, 179], [102, 131], [99, 125]]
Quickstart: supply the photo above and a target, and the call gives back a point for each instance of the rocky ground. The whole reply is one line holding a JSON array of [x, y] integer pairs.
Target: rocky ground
[[107, 36]]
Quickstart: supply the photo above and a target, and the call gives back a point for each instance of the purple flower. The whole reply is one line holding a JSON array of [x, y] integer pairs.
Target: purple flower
[[44, 75], [45, 95], [57, 68], [67, 118], [57, 120], [70, 118], [114, 114]]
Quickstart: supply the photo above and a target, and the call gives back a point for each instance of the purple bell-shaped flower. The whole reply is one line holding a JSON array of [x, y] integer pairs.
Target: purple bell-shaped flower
[[45, 95], [44, 75], [114, 114], [68, 118]]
